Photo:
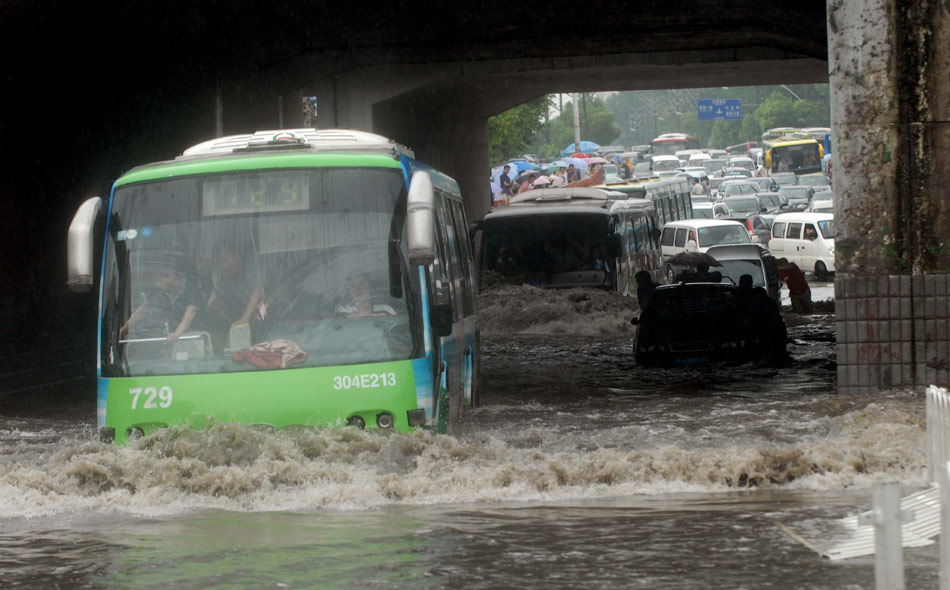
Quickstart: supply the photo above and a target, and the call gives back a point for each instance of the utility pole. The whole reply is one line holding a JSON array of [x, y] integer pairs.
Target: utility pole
[[577, 124]]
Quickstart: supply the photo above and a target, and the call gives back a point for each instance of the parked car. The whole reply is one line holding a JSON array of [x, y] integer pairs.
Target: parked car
[[714, 165], [807, 239], [820, 204], [697, 235], [745, 259], [817, 181], [706, 209], [642, 170], [612, 174], [690, 321], [759, 228], [766, 184], [736, 172], [774, 203], [784, 178], [799, 197], [664, 166], [743, 205], [731, 188], [742, 162]]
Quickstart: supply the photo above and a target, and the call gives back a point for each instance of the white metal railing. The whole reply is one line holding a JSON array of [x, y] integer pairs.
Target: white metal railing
[[938, 430], [896, 522]]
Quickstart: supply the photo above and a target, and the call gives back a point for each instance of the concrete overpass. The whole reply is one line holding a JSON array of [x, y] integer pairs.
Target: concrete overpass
[[142, 82]]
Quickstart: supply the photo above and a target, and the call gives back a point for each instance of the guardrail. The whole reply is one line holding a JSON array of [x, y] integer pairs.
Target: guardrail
[[913, 521], [938, 430]]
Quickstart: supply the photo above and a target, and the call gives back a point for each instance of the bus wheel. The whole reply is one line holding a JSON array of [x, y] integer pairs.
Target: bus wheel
[[821, 271]]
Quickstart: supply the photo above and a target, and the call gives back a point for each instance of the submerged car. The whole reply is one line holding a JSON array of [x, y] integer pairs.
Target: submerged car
[[696, 321]]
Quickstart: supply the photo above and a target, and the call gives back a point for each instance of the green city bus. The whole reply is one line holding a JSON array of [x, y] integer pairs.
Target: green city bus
[[283, 278]]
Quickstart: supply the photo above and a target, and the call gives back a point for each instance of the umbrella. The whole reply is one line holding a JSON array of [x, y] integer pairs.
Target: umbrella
[[524, 175], [580, 164], [693, 259], [557, 180], [558, 164], [580, 155], [596, 161], [541, 181], [520, 166], [586, 146], [495, 188]]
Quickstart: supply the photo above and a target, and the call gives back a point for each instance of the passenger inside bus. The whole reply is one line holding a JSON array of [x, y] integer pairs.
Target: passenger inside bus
[[237, 293], [169, 306], [360, 303]]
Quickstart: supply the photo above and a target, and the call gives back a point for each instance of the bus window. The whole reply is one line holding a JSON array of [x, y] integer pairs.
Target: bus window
[[467, 273]]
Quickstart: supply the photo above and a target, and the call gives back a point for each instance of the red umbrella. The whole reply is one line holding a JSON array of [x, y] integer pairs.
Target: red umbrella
[[580, 155]]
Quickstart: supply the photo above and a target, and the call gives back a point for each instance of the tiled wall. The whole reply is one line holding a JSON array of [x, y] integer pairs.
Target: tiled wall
[[892, 332]]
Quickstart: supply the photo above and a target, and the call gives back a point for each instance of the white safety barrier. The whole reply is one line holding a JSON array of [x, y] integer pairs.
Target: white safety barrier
[[913, 521], [938, 430]]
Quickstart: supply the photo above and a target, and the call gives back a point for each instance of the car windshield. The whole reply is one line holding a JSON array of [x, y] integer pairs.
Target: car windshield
[[741, 205], [642, 167], [739, 189], [732, 233], [795, 193], [199, 268], [666, 164], [827, 228], [702, 212], [733, 269], [746, 163], [813, 180], [714, 165], [784, 178]]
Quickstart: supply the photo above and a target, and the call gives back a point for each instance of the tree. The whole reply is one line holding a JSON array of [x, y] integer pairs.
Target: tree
[[510, 132], [599, 128]]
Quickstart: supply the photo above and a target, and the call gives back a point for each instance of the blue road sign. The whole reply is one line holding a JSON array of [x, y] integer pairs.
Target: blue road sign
[[719, 109]]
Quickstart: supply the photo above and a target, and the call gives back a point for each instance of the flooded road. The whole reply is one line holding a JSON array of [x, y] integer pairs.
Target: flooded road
[[578, 470]]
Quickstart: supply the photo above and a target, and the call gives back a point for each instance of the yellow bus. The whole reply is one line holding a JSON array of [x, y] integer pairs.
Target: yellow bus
[[799, 156]]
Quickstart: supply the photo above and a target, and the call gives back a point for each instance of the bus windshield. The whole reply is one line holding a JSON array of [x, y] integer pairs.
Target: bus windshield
[[798, 158], [668, 147], [307, 265]]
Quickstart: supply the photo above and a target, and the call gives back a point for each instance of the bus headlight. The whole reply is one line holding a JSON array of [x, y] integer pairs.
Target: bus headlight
[[385, 420]]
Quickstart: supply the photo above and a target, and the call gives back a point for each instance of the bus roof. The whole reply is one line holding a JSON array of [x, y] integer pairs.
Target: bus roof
[[793, 142], [295, 148], [324, 140]]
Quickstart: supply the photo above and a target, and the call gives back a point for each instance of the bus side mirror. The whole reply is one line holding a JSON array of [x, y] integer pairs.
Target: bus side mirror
[[614, 246], [442, 319], [80, 247], [420, 219]]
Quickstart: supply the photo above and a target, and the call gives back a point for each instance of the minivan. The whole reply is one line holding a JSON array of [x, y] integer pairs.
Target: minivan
[[697, 235], [754, 260], [807, 239]]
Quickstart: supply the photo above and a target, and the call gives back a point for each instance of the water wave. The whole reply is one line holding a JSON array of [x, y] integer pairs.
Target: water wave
[[243, 468], [508, 310]]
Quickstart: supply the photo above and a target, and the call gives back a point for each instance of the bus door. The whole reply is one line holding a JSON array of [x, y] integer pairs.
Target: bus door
[[468, 294], [449, 287]]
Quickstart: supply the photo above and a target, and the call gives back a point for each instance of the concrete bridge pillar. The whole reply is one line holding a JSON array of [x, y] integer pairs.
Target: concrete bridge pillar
[[889, 64]]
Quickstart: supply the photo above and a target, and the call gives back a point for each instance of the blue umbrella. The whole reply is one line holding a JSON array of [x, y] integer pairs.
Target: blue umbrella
[[522, 165], [586, 147]]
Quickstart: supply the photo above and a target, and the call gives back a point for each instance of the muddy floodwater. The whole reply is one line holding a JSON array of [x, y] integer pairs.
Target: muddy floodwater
[[578, 470]]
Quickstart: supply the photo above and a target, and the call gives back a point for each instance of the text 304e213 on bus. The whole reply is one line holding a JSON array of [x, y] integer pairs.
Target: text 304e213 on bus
[[305, 277]]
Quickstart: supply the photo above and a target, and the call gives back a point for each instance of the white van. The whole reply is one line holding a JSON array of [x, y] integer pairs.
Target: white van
[[697, 235], [807, 239], [664, 166]]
